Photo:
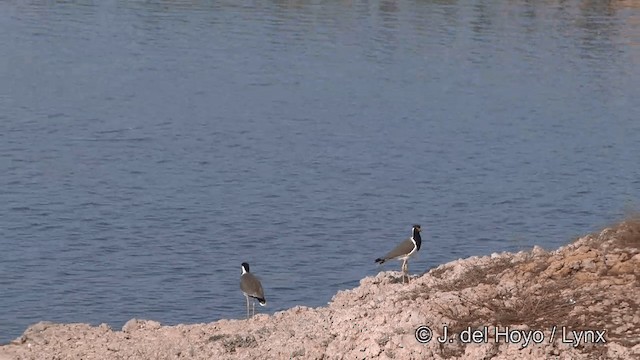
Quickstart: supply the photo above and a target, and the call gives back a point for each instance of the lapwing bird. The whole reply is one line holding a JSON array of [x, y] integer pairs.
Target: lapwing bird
[[405, 250], [251, 288]]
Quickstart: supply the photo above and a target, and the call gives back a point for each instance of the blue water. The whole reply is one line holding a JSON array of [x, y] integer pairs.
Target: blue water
[[149, 148]]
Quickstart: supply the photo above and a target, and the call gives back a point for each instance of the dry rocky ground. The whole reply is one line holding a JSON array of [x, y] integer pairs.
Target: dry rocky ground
[[588, 290]]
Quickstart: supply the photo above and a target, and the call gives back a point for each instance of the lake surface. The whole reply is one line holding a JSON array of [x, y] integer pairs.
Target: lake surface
[[149, 148]]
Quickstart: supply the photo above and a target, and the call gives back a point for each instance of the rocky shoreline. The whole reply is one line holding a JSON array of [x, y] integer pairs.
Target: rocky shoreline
[[580, 301]]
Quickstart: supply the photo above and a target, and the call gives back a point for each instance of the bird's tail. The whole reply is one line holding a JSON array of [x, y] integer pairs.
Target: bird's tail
[[262, 302], [380, 260]]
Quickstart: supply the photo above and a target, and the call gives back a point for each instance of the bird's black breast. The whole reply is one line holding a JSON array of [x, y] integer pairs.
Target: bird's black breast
[[418, 240]]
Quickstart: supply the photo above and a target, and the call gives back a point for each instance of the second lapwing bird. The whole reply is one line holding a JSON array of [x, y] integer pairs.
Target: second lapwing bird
[[404, 251], [251, 288]]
